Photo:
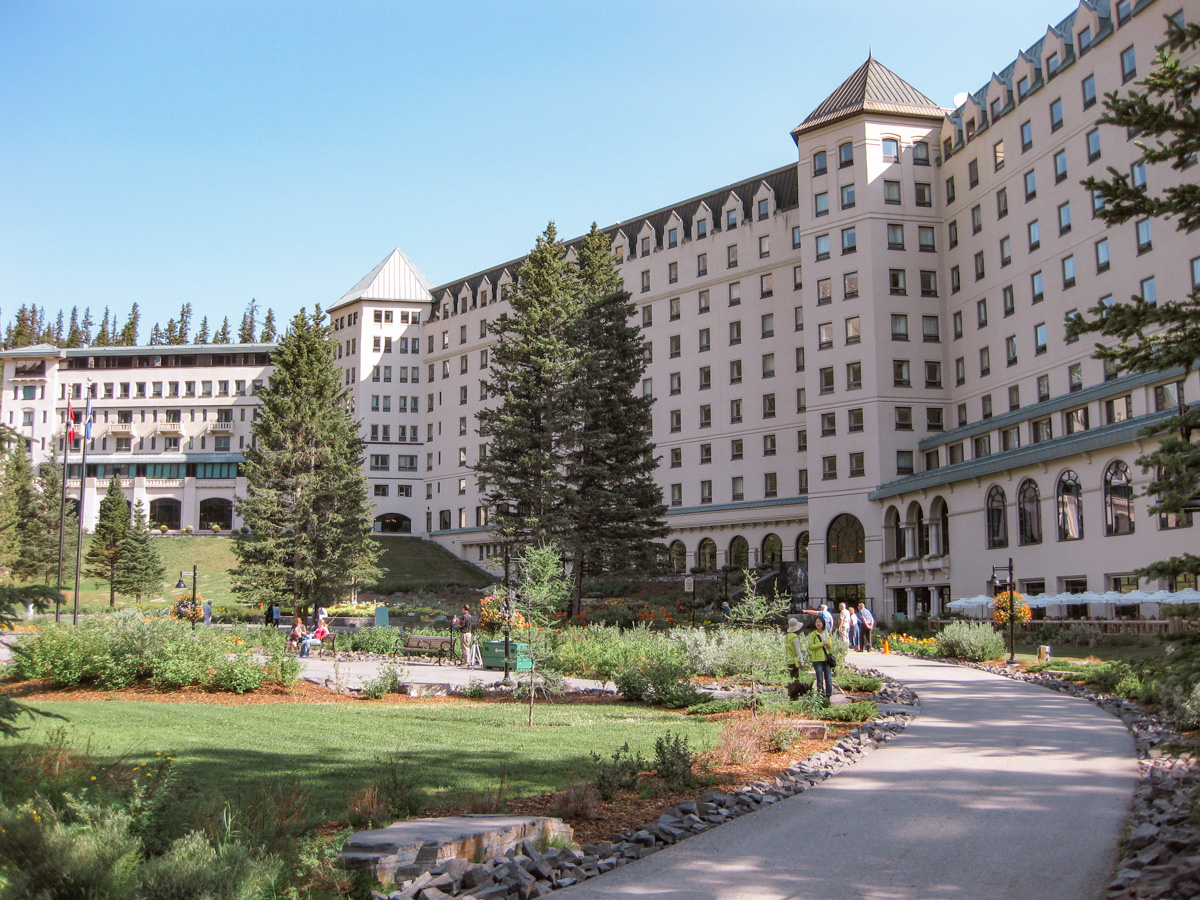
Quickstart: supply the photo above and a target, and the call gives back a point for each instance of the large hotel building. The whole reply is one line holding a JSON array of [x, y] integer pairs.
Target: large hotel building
[[858, 359]]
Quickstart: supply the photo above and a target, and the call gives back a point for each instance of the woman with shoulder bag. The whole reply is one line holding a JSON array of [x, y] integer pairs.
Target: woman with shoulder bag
[[820, 650]]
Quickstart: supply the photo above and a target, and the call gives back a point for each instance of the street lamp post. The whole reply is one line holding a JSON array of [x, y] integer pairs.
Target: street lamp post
[[1012, 608], [181, 586], [506, 611]]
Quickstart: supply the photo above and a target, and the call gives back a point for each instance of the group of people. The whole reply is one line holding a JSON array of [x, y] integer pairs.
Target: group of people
[[854, 627], [300, 637]]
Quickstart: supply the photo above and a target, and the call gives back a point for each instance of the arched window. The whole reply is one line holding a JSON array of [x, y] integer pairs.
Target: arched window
[[165, 511], [802, 548], [893, 534], [1118, 499], [678, 557], [772, 550], [845, 541], [739, 553], [1070, 507], [1029, 513], [393, 523], [939, 527], [216, 511], [996, 510], [706, 555], [920, 539]]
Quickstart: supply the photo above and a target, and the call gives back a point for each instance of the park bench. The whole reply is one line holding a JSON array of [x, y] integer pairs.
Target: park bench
[[441, 646]]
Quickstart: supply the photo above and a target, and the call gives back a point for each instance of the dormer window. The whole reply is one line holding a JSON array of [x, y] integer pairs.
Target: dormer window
[[1052, 64], [1023, 87], [702, 228], [673, 237], [731, 219]]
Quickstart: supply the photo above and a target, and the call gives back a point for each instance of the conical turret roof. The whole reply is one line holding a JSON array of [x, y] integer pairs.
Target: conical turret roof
[[873, 88]]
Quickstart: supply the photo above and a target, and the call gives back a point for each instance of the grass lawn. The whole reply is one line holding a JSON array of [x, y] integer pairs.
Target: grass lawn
[[1027, 653], [408, 564], [458, 748]]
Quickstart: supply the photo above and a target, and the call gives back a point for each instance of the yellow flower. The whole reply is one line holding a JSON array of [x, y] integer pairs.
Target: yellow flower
[[93, 778]]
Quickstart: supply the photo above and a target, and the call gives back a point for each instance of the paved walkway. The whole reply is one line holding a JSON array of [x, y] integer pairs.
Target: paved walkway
[[997, 790]]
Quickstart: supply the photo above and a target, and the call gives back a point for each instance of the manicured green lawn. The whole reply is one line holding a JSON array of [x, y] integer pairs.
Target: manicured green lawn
[[458, 748], [1027, 653]]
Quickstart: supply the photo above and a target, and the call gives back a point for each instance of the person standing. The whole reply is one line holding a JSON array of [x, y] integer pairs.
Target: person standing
[[207, 612], [276, 615], [866, 627], [820, 651], [844, 618], [467, 624], [322, 615], [793, 657]]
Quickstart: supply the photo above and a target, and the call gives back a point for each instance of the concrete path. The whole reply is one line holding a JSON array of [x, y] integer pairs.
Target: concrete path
[[997, 790], [353, 674]]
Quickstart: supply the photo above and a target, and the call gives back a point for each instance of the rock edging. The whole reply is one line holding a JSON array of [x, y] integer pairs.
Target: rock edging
[[1160, 854], [524, 873]]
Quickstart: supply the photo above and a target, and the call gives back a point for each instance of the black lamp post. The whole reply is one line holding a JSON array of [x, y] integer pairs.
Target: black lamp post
[[506, 612], [1012, 608], [181, 586]]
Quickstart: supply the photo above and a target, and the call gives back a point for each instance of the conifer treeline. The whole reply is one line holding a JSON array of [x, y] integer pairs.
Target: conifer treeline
[[33, 326]]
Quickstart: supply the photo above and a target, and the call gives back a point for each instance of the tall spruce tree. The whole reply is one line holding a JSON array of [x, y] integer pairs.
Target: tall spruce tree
[[104, 335], [111, 527], [249, 321], [185, 324], [202, 331], [306, 502], [58, 330], [85, 327], [222, 335], [17, 498], [139, 568], [268, 335], [614, 503], [129, 332], [1154, 337], [38, 524], [74, 335], [533, 364]]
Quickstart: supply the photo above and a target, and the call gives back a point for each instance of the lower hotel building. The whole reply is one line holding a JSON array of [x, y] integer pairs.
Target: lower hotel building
[[858, 359]]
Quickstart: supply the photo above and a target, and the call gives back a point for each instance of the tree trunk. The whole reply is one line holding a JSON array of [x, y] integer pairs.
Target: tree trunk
[[576, 606]]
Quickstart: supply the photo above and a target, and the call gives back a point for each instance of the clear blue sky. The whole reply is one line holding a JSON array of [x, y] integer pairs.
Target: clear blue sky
[[213, 151]]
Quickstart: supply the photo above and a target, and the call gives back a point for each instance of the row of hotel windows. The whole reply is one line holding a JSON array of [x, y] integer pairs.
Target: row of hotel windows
[[1167, 398], [464, 366], [889, 149], [138, 390], [222, 443], [737, 488], [642, 246], [202, 471], [1118, 495], [166, 361], [766, 281]]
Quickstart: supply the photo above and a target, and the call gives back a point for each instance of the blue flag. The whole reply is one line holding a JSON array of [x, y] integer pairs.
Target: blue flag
[[87, 419]]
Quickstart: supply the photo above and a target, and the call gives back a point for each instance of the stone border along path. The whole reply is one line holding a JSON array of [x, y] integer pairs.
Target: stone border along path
[[529, 873], [1161, 859]]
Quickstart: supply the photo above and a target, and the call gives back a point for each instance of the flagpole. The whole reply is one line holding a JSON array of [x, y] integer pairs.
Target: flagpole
[[62, 525], [87, 433]]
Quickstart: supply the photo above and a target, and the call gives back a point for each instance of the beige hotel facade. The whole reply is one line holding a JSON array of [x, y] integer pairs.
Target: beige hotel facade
[[858, 359]]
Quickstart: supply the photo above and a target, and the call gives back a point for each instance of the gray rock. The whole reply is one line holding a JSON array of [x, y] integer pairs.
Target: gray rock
[[474, 876], [1142, 836]]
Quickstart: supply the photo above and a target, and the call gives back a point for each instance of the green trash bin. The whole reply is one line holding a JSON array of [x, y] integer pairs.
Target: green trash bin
[[492, 653], [381, 616]]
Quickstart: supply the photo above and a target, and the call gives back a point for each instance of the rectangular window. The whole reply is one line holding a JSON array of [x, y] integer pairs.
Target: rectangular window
[[925, 239], [985, 361], [895, 237], [821, 204], [1093, 145], [1010, 350], [899, 327], [1056, 114], [737, 488], [1002, 203], [731, 256], [1005, 251], [1088, 85], [928, 283], [845, 155], [979, 266], [1128, 64], [705, 339], [797, 277], [768, 367], [1149, 291], [854, 420], [822, 243], [1103, 260], [1144, 243], [1064, 217], [763, 209], [1026, 136], [849, 240], [824, 291], [795, 237], [853, 330], [1039, 339], [904, 420], [920, 153], [891, 150], [904, 462], [735, 371], [1118, 409], [735, 293], [828, 468], [768, 406], [976, 219], [735, 333], [1068, 272], [952, 234], [891, 193], [766, 285], [924, 194], [847, 192], [828, 424], [706, 492], [901, 373], [850, 285], [950, 190], [956, 324], [1075, 420], [825, 379], [820, 163], [931, 330], [857, 466], [853, 376], [998, 155], [896, 282], [672, 272], [934, 418], [1075, 377], [973, 174]]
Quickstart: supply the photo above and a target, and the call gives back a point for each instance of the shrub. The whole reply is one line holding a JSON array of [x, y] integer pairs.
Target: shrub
[[972, 641], [713, 707], [859, 711], [382, 640], [619, 771], [577, 801], [238, 675], [660, 682], [475, 690], [674, 761], [400, 782], [853, 681], [741, 739], [281, 668], [194, 868], [387, 682]]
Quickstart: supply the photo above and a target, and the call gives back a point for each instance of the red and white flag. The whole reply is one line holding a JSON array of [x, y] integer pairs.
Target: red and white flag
[[70, 422]]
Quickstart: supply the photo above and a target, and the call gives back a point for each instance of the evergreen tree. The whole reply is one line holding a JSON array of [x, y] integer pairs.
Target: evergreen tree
[[58, 330], [170, 334], [185, 324], [85, 328], [38, 503], [129, 333], [45, 329], [533, 362], [13, 599], [222, 335], [139, 569], [306, 502], [74, 335], [111, 527], [246, 331], [268, 335], [1153, 337], [202, 331], [103, 336], [16, 482], [156, 336], [615, 505]]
